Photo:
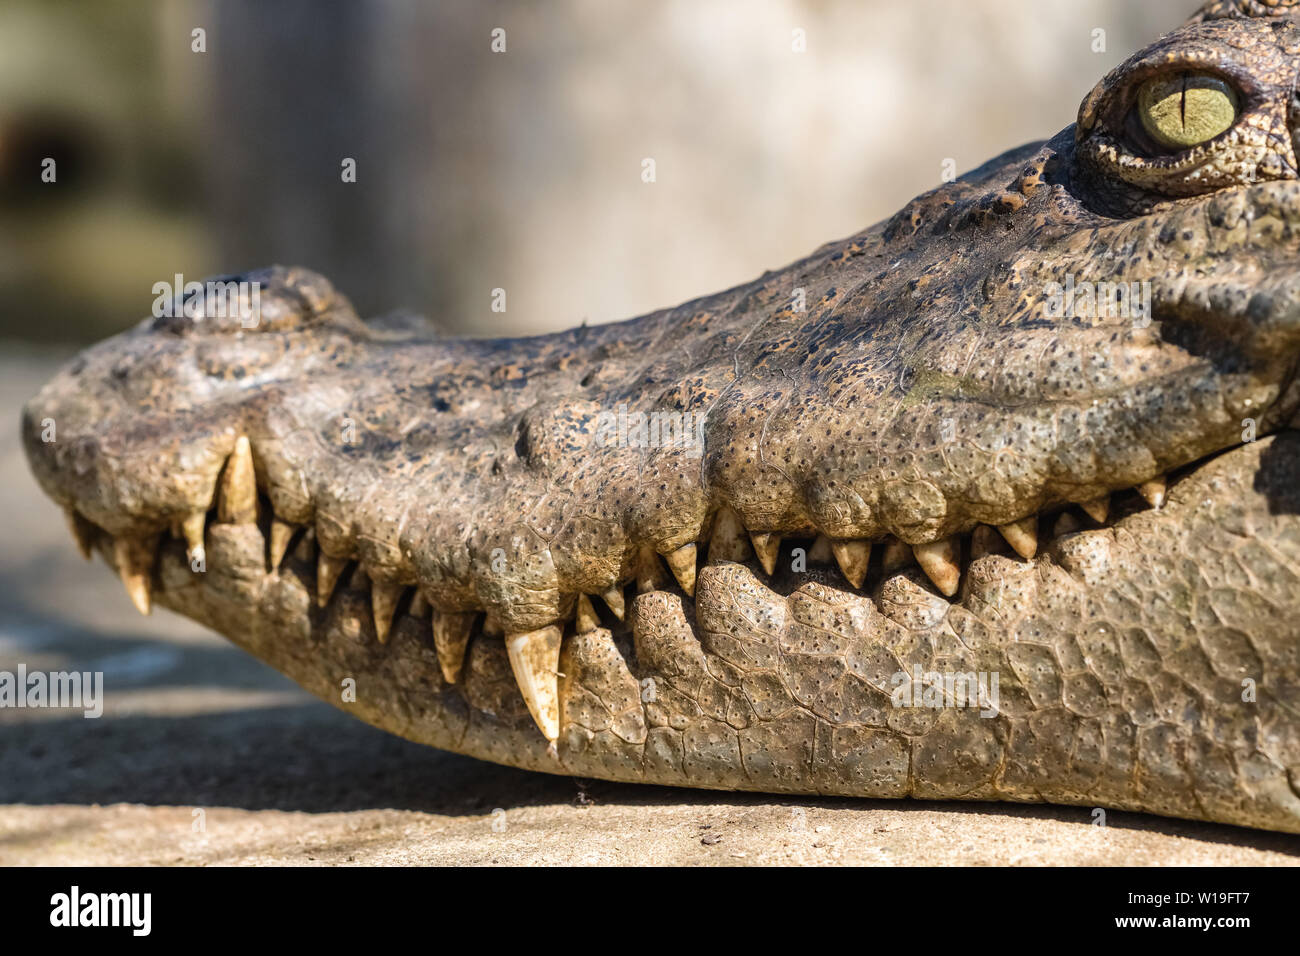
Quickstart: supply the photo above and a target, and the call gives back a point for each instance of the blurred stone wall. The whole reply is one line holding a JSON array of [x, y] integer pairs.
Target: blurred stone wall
[[520, 170]]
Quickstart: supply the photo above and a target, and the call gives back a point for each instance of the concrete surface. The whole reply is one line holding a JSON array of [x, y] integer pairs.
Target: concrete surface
[[204, 756]]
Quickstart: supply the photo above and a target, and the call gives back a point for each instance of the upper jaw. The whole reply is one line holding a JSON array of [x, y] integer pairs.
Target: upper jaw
[[892, 407], [245, 469], [479, 469]]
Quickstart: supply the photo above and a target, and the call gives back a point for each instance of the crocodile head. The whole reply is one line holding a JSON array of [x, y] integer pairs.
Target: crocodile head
[[996, 499]]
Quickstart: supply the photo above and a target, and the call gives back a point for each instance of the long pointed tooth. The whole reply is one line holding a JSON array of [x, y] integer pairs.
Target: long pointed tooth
[[327, 575], [281, 533], [1154, 491], [535, 659], [1065, 524], [613, 597], [682, 563], [938, 560], [237, 490], [853, 558], [1098, 509], [1022, 535], [83, 532], [192, 530], [729, 541], [134, 558], [383, 602], [419, 604], [450, 637], [985, 540], [585, 620], [767, 545], [897, 554], [649, 572], [821, 551]]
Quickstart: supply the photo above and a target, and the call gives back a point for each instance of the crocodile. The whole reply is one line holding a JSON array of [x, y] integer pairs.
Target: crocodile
[[996, 500]]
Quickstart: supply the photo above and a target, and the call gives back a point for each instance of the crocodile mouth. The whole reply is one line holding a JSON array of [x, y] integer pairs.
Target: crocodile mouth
[[862, 567], [706, 640], [1119, 661], [391, 482], [241, 538]]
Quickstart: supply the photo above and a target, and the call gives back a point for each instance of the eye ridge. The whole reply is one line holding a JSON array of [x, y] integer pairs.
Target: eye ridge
[[1206, 107]]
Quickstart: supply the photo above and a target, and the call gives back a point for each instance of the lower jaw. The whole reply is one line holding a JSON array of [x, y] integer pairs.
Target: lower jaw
[[1122, 659]]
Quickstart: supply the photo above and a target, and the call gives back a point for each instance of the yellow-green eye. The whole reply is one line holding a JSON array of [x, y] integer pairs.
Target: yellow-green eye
[[1186, 109]]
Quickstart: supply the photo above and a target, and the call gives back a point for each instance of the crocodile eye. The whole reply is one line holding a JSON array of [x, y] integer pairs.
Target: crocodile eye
[[1186, 109]]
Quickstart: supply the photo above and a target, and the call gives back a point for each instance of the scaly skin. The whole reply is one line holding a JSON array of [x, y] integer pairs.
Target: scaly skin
[[1147, 659]]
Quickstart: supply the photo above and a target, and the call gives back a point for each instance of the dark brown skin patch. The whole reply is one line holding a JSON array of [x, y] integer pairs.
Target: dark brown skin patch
[[907, 383]]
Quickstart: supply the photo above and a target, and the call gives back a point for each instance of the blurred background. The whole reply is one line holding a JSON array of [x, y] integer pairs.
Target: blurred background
[[475, 169]]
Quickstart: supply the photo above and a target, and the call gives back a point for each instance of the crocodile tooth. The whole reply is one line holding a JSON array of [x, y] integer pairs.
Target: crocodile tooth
[[897, 554], [938, 560], [853, 558], [613, 597], [281, 533], [729, 541], [237, 489], [419, 604], [649, 571], [1097, 509], [192, 529], [327, 575], [585, 620], [305, 549], [767, 545], [1022, 535], [1154, 491], [83, 532], [985, 540], [383, 602], [535, 659], [450, 636], [135, 558], [821, 551], [492, 625], [1065, 524], [682, 563]]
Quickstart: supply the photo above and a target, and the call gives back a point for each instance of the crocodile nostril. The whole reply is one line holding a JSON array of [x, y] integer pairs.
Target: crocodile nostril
[[277, 299]]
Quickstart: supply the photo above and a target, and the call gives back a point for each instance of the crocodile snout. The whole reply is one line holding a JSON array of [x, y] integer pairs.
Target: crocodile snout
[[706, 545]]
